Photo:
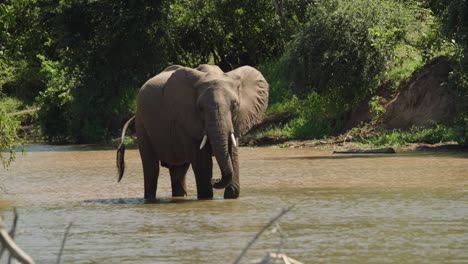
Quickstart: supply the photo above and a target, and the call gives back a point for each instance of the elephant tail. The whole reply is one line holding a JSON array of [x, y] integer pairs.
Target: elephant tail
[[121, 151]]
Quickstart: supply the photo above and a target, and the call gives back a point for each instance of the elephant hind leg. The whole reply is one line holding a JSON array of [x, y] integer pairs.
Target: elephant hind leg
[[150, 162], [178, 172]]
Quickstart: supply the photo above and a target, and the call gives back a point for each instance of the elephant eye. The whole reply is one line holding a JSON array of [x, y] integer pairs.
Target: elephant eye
[[235, 105]]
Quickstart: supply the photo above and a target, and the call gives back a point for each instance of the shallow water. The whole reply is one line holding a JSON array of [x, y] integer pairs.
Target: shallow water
[[401, 208]]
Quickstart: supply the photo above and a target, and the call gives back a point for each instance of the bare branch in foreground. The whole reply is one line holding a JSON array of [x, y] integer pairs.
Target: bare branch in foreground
[[15, 222], [257, 236], [9, 244], [3, 189], [13, 230], [59, 258]]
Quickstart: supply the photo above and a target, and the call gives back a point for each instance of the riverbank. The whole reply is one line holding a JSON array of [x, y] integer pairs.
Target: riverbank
[[258, 138], [337, 144]]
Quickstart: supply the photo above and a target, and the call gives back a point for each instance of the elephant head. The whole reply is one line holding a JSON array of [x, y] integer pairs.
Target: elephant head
[[224, 106]]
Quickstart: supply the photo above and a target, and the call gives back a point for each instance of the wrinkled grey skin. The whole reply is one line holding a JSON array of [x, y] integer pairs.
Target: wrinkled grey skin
[[177, 107]]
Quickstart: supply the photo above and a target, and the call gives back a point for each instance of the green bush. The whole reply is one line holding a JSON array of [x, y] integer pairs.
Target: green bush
[[398, 137], [344, 47], [461, 129], [280, 90], [458, 82], [336, 59], [455, 24], [21, 38], [343, 52], [54, 115], [9, 125], [229, 33], [9, 105], [321, 57], [316, 117], [348, 47], [109, 49]]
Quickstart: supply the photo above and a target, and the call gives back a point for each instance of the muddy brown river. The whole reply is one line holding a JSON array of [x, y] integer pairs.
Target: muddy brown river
[[410, 207]]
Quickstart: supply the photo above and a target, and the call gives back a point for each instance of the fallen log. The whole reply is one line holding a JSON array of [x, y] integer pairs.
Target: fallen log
[[366, 151]]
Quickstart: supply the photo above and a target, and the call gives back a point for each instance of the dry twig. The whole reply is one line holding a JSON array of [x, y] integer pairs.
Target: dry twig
[[7, 242], [59, 258], [257, 236]]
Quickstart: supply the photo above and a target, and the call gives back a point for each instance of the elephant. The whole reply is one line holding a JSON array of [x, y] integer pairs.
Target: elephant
[[185, 116]]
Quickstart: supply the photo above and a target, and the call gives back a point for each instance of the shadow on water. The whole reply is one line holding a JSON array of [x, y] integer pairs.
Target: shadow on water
[[65, 148], [337, 157], [180, 200]]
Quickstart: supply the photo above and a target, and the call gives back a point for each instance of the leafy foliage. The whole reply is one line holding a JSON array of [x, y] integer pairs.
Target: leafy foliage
[[376, 109], [9, 124], [346, 46], [343, 52], [229, 33], [108, 49], [55, 101], [316, 117], [82, 61], [454, 16], [21, 38], [433, 135]]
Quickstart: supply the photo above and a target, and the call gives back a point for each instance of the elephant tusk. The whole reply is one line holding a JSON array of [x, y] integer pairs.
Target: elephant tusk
[[233, 140], [203, 141]]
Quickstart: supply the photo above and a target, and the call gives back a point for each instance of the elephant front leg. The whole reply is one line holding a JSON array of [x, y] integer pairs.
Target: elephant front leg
[[178, 173], [232, 191], [203, 170]]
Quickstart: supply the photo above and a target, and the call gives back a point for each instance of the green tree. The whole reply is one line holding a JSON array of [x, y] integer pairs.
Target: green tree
[[107, 50], [342, 53], [345, 47], [9, 124], [229, 33], [55, 101], [454, 14], [21, 38]]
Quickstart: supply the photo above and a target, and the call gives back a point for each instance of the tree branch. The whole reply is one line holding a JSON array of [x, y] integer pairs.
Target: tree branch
[[257, 236], [8, 243]]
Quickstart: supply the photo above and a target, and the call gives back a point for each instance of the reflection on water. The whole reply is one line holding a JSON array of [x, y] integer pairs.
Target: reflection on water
[[403, 208]]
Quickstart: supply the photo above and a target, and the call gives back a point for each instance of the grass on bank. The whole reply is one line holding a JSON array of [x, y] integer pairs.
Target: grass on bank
[[370, 137], [398, 137]]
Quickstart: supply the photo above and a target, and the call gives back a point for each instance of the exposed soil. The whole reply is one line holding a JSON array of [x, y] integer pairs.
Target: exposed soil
[[423, 99]]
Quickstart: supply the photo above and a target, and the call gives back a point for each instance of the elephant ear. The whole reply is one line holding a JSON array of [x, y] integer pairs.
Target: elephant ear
[[253, 98], [182, 96]]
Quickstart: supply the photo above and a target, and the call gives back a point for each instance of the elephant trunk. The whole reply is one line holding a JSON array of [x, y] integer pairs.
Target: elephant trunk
[[223, 157], [219, 134]]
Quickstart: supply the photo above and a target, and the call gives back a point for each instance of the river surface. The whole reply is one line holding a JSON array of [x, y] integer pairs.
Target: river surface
[[400, 208]]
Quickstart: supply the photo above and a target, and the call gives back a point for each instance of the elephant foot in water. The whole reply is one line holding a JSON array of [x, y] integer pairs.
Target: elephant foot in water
[[178, 192], [205, 194], [231, 192]]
